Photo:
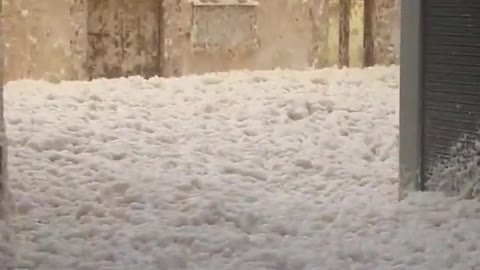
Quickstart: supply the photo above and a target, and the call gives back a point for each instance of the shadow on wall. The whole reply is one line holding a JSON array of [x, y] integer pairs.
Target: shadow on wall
[[84, 39]]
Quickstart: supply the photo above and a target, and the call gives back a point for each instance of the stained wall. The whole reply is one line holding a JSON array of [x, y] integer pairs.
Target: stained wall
[[355, 48], [387, 32], [265, 34], [84, 39], [45, 39], [123, 38]]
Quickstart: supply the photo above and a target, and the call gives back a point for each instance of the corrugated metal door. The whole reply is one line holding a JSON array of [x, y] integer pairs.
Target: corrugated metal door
[[451, 70]]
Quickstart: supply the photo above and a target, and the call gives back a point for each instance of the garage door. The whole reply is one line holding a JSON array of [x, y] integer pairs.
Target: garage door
[[451, 70]]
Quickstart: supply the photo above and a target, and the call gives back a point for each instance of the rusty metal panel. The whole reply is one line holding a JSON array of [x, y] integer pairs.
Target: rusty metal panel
[[123, 38], [224, 25]]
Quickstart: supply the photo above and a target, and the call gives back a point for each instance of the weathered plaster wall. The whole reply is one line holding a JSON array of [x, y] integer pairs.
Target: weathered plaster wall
[[81, 39], [279, 35], [289, 34], [319, 14], [45, 39], [387, 32], [123, 37]]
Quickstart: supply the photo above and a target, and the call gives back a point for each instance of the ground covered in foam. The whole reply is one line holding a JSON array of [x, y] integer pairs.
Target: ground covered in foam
[[237, 171]]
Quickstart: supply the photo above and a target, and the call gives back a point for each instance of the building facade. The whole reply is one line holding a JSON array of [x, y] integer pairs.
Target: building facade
[[84, 39]]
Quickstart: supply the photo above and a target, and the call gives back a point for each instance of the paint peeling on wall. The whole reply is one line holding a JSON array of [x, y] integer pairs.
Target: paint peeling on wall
[[41, 36], [81, 39], [284, 30], [123, 38], [227, 27]]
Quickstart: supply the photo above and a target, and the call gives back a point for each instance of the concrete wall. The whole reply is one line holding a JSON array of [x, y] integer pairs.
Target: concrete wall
[[45, 39], [82, 39]]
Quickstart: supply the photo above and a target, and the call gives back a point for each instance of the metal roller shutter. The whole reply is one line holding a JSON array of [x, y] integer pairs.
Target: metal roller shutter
[[451, 77]]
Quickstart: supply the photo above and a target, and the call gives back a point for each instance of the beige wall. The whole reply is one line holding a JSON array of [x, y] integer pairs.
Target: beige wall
[[279, 34], [45, 39], [82, 39]]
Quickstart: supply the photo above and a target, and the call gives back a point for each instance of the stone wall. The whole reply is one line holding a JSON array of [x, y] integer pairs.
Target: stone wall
[[84, 39]]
